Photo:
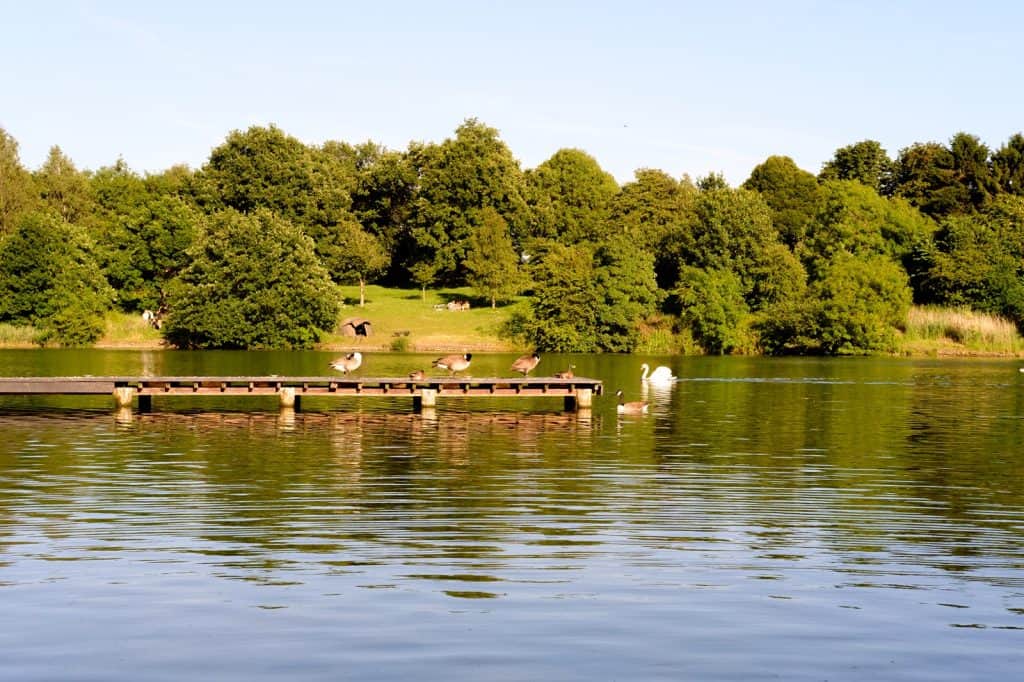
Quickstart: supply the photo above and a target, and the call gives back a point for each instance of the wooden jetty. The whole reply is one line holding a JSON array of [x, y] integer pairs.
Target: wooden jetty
[[576, 393]]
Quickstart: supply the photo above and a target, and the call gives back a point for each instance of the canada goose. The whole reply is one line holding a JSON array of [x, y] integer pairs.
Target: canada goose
[[635, 407], [660, 375], [454, 363], [349, 363], [525, 364], [567, 374], [418, 375]]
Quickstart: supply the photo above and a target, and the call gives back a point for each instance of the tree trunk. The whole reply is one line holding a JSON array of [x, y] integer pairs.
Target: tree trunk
[[362, 292], [493, 303]]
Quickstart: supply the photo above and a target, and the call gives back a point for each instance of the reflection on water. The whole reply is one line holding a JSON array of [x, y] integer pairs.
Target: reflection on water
[[805, 520]]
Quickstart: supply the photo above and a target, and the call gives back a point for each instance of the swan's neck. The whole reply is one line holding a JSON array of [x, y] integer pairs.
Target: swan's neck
[[646, 369]]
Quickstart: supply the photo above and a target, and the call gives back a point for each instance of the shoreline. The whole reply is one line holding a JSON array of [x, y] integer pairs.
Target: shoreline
[[447, 346]]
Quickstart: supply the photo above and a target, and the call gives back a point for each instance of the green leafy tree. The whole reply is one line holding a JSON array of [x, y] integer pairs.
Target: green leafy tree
[[458, 178], [351, 254], [628, 292], [978, 260], [62, 187], [49, 278], [651, 206], [491, 261], [263, 168], [253, 281], [944, 181], [856, 220], [867, 162], [1008, 165], [973, 170], [713, 308], [732, 230], [712, 182], [860, 301], [925, 175], [655, 210], [792, 194], [382, 201], [590, 298], [564, 307], [143, 227], [570, 198], [16, 192]]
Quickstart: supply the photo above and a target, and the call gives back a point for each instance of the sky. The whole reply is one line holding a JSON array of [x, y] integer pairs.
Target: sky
[[685, 87]]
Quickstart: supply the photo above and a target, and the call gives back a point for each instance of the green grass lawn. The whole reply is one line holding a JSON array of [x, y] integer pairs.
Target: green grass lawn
[[402, 316]]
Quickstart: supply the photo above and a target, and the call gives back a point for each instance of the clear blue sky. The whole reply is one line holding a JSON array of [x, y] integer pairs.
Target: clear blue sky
[[687, 87]]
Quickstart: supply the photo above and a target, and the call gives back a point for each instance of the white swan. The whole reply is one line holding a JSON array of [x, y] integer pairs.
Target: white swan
[[660, 375]]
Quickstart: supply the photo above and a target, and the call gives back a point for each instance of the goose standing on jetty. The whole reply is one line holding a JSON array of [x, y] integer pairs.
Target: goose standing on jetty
[[660, 375], [567, 374], [349, 363], [635, 407], [453, 363], [525, 364], [418, 375]]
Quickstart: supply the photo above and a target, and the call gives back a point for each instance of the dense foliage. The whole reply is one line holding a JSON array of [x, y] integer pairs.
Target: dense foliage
[[253, 281], [245, 251]]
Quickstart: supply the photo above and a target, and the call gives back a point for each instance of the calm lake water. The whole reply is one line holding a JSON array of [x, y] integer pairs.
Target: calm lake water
[[855, 519]]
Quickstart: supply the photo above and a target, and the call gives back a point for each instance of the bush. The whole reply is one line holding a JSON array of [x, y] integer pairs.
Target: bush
[[50, 279], [254, 281]]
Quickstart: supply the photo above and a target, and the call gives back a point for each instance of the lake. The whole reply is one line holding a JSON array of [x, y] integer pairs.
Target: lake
[[796, 519]]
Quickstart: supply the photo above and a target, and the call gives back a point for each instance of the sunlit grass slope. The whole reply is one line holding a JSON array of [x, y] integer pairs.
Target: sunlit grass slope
[[402, 320]]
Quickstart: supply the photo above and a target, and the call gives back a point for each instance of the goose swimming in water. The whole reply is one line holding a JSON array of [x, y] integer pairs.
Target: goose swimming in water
[[635, 407], [453, 363], [525, 364], [660, 375], [349, 363]]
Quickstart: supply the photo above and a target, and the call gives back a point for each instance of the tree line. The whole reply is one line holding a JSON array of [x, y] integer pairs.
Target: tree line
[[248, 250]]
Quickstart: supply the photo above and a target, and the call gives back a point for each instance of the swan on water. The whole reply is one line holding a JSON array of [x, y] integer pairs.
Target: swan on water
[[660, 375]]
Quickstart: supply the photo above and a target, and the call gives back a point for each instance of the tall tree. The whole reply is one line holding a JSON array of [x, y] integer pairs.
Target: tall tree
[[944, 181], [48, 278], [591, 298], [456, 179], [62, 187], [491, 260], [1008, 165], [351, 254], [855, 219], [978, 260], [651, 206], [16, 192], [571, 198], [792, 195], [973, 169], [265, 168], [867, 162], [382, 202]]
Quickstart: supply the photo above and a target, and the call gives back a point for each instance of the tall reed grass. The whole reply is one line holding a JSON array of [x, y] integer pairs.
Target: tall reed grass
[[18, 336], [974, 331]]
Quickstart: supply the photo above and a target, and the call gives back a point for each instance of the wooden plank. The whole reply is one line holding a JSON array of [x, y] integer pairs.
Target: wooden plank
[[55, 386], [269, 385]]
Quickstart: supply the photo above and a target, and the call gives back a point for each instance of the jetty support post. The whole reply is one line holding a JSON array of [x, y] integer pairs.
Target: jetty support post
[[427, 398], [124, 395], [581, 399], [288, 398]]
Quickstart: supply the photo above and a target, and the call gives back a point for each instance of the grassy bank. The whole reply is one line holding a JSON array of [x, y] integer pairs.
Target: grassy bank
[[403, 320], [959, 332]]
